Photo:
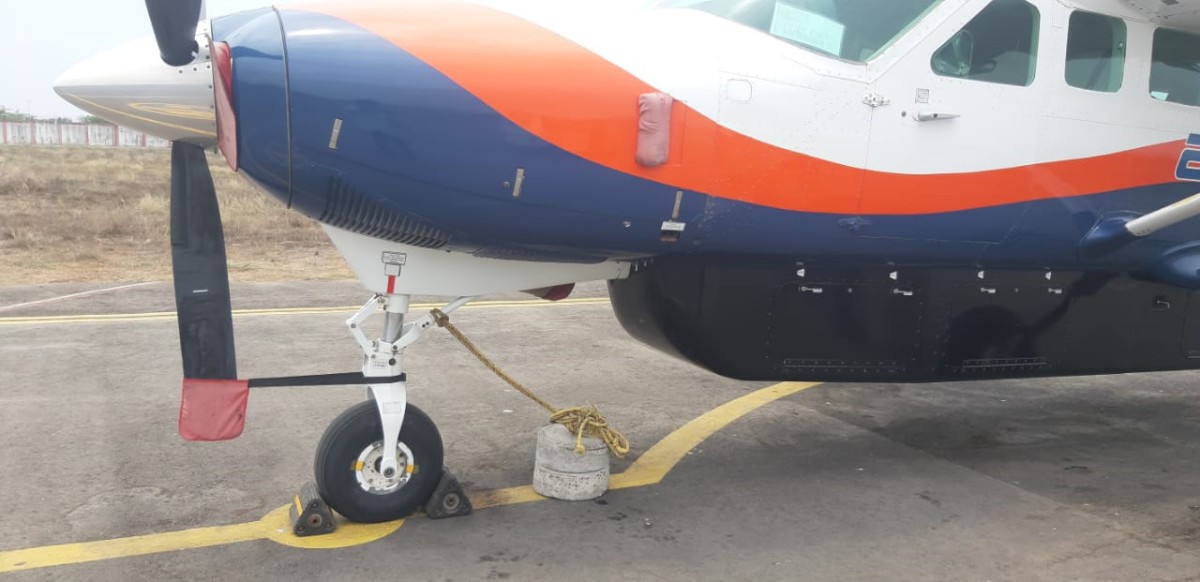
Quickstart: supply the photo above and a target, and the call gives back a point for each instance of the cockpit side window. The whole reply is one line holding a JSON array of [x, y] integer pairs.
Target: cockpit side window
[[854, 30], [1175, 67], [999, 45]]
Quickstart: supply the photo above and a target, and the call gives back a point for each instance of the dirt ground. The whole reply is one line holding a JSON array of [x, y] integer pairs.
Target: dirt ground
[[72, 214]]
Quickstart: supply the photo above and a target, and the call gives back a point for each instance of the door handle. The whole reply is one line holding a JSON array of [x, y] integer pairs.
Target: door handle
[[934, 115]]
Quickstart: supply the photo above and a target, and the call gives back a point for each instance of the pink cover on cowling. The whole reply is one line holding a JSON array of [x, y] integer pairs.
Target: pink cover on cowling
[[213, 410], [654, 129]]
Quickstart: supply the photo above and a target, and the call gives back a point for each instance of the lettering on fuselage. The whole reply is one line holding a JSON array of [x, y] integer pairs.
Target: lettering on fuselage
[[1189, 161]]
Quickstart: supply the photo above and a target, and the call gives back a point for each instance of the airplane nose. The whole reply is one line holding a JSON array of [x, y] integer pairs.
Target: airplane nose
[[130, 86]]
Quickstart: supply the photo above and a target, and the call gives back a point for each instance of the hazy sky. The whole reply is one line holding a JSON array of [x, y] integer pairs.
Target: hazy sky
[[39, 39]]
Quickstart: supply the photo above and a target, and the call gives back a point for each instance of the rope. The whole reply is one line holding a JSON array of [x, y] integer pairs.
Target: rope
[[580, 420]]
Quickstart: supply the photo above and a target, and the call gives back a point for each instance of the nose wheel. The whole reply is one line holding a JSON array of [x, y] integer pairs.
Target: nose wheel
[[350, 472]]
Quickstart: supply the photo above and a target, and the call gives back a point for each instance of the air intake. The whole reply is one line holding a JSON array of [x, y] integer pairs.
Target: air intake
[[349, 209]]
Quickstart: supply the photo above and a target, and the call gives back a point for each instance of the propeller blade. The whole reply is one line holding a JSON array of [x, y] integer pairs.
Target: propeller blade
[[174, 23], [200, 272]]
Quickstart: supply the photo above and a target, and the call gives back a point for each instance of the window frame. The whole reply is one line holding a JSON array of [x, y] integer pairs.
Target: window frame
[[1034, 47], [1153, 48], [1123, 46]]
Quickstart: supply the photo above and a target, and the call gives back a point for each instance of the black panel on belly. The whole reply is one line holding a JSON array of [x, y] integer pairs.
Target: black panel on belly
[[798, 320]]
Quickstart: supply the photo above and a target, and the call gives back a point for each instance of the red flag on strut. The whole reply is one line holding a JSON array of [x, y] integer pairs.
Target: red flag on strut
[[213, 410]]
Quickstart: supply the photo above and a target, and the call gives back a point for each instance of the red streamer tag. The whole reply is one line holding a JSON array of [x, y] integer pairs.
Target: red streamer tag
[[213, 410]]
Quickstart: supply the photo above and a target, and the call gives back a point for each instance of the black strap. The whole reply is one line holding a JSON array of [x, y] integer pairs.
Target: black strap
[[339, 379]]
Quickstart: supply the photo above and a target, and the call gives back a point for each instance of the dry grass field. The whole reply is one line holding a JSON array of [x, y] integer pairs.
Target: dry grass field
[[101, 214]]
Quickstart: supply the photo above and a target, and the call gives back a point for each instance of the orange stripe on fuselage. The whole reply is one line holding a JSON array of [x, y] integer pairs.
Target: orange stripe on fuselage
[[584, 104]]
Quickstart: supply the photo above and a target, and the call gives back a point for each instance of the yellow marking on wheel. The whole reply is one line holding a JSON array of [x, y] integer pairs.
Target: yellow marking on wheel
[[170, 315], [410, 469], [358, 465], [648, 469]]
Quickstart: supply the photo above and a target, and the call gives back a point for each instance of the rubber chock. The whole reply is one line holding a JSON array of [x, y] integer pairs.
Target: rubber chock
[[310, 515], [448, 499]]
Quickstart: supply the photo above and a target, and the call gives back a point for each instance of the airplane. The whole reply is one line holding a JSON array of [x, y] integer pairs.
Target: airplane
[[835, 190]]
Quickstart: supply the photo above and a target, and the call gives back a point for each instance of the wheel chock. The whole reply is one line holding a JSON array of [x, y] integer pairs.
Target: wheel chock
[[310, 515], [448, 499]]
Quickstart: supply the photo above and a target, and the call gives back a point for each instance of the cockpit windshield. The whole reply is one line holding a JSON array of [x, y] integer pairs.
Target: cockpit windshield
[[855, 30]]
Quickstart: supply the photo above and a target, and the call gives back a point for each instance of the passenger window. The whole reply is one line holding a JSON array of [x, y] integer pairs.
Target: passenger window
[[997, 46], [1175, 67], [1096, 52]]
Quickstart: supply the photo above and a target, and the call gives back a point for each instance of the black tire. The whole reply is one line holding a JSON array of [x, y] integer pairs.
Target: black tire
[[349, 435]]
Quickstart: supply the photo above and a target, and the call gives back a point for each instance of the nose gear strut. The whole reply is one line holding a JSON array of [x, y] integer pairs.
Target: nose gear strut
[[384, 358]]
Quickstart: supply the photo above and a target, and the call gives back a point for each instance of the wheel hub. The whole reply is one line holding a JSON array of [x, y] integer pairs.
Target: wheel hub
[[371, 478]]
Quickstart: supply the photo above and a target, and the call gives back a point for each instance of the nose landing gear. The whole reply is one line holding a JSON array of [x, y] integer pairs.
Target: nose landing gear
[[381, 459]]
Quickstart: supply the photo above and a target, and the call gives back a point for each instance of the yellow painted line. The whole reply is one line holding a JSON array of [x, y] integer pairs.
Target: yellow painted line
[[170, 315], [275, 526], [648, 469], [126, 547], [654, 464], [502, 497]]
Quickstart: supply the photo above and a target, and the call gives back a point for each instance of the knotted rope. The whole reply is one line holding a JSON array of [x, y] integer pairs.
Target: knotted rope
[[580, 420]]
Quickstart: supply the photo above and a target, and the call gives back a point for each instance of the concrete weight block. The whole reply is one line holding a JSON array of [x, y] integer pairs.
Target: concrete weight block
[[559, 472]]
